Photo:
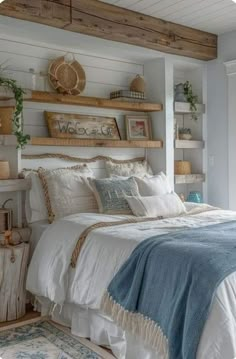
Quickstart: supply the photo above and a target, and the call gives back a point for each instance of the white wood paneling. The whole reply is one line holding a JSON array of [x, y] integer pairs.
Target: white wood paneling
[[103, 74], [216, 16], [231, 72]]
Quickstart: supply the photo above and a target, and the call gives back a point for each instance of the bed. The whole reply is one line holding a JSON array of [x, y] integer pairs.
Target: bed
[[73, 296]]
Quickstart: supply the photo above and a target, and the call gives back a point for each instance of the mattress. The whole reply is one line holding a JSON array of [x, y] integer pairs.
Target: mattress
[[104, 251]]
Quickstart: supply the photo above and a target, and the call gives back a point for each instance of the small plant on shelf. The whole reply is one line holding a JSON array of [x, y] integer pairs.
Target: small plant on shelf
[[184, 133], [17, 120], [191, 98]]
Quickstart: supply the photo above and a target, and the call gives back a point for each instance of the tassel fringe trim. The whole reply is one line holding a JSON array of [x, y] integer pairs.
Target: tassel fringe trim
[[137, 324]]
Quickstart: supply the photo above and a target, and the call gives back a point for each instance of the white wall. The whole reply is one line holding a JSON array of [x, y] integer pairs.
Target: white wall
[[218, 133]]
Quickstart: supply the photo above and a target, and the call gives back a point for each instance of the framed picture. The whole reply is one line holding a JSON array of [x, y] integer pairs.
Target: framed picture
[[64, 125], [138, 127]]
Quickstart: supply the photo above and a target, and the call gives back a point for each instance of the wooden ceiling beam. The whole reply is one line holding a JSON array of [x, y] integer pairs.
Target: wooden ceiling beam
[[95, 18], [53, 13]]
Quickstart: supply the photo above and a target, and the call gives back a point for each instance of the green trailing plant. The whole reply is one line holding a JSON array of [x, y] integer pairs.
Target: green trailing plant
[[191, 98], [18, 121]]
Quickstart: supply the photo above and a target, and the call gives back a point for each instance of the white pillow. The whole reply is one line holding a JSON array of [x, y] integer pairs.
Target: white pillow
[[35, 206], [135, 168], [167, 205], [153, 186], [66, 193]]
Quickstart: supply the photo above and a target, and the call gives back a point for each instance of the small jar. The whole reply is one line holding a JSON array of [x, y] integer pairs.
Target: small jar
[[195, 196]]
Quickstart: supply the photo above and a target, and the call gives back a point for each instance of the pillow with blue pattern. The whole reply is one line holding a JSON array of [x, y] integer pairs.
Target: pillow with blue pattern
[[111, 194]]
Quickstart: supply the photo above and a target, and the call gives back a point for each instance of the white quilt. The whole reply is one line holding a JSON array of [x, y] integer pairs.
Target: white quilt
[[103, 253]]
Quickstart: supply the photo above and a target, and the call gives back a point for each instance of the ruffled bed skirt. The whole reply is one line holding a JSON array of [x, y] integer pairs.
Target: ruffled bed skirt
[[90, 323]]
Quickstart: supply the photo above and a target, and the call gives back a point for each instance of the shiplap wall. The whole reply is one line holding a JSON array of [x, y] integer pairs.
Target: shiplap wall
[[103, 75]]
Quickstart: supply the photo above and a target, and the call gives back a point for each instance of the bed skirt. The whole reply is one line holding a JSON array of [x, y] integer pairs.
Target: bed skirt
[[91, 323]]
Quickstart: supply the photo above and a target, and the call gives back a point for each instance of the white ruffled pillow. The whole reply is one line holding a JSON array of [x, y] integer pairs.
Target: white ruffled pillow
[[135, 168], [153, 186], [167, 205]]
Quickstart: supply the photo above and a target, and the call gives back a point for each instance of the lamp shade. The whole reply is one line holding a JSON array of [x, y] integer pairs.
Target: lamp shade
[[4, 170]]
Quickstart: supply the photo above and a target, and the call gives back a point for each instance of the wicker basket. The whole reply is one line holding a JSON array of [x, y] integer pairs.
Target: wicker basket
[[6, 114], [4, 170], [183, 167], [67, 77]]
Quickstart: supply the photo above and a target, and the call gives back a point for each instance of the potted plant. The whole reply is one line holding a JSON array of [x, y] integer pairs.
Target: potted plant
[[191, 98], [185, 133], [184, 93], [17, 120]]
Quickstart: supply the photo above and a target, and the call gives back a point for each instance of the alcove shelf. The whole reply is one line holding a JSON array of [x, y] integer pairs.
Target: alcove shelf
[[187, 179], [184, 144], [55, 98], [184, 107], [49, 141]]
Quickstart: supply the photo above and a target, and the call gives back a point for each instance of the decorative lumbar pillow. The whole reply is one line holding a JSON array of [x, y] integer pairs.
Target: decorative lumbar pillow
[[35, 205], [128, 169], [111, 194], [167, 205], [65, 191], [153, 186]]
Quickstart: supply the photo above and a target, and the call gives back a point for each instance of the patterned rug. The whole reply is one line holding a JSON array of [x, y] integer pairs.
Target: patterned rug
[[43, 340]]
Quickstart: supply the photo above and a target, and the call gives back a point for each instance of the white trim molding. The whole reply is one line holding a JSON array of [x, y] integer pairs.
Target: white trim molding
[[231, 73]]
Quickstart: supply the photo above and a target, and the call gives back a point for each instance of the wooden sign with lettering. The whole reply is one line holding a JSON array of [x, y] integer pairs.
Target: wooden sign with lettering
[[64, 125]]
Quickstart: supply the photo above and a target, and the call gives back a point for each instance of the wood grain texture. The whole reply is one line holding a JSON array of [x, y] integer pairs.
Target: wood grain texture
[[191, 178], [14, 185], [51, 97], [110, 22], [191, 144], [95, 18], [12, 281], [184, 107], [48, 141], [53, 13]]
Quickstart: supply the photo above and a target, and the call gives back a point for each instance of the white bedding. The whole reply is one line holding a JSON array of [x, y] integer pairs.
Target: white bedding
[[105, 250], [37, 229]]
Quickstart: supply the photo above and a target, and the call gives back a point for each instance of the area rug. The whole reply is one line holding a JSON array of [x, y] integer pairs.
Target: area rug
[[43, 339]]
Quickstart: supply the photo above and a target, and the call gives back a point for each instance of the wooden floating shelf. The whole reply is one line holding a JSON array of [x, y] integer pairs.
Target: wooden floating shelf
[[7, 94], [48, 141], [192, 178], [184, 107], [189, 144], [55, 98], [14, 185]]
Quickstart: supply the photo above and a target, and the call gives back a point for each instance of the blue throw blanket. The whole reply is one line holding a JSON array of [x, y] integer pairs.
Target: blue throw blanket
[[164, 290]]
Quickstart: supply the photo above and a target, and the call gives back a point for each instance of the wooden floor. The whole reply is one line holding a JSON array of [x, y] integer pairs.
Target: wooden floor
[[30, 314]]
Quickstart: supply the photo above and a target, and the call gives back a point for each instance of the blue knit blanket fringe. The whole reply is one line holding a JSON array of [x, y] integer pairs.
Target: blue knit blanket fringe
[[163, 292]]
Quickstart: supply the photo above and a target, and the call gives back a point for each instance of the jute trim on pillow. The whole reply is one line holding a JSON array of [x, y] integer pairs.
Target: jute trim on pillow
[[51, 215]]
